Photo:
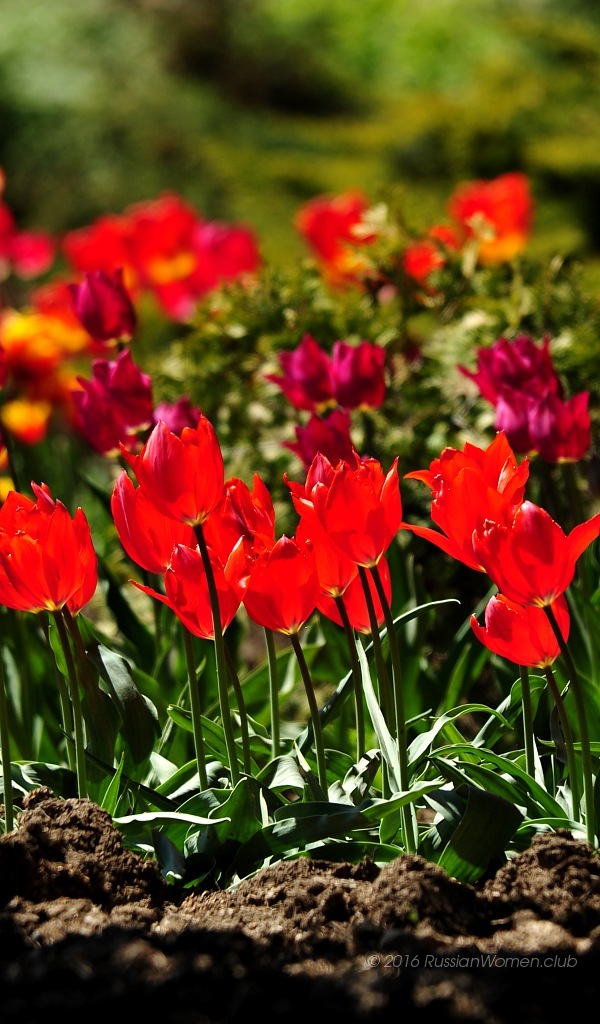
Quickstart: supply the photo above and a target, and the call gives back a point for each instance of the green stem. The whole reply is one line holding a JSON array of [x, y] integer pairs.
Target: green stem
[[219, 657], [380, 669], [314, 712], [65, 705], [568, 738], [399, 711], [356, 679], [273, 693], [196, 707], [5, 750], [82, 787], [241, 703], [527, 722], [380, 666], [584, 736]]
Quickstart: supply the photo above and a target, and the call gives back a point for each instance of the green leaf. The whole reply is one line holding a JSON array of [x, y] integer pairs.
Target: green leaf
[[486, 825], [422, 743], [139, 718], [100, 715], [387, 743], [527, 791], [241, 809], [110, 798], [282, 773], [28, 775]]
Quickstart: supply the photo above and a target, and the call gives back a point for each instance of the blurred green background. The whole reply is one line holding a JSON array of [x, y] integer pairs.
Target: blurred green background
[[249, 107]]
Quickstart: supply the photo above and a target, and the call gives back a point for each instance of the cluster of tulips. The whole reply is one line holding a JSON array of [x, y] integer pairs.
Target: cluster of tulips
[[213, 543], [206, 545]]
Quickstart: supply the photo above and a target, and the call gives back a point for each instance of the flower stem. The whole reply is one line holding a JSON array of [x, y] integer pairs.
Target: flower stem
[[196, 708], [380, 668], [528, 741], [568, 739], [237, 689], [219, 656], [314, 712], [356, 680], [399, 711], [584, 736], [5, 750], [82, 787], [273, 693]]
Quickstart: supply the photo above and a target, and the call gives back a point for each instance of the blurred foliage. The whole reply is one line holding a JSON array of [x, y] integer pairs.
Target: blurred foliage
[[248, 107]]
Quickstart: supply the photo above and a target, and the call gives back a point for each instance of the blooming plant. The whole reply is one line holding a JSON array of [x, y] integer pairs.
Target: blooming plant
[[257, 639]]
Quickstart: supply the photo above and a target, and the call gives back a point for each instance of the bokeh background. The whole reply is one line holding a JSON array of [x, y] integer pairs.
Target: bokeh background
[[249, 107]]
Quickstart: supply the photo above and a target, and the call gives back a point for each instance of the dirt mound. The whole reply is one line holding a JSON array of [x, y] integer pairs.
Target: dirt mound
[[86, 925]]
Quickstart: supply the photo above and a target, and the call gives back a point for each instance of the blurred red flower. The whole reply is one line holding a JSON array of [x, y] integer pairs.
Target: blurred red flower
[[335, 229], [329, 435], [115, 404], [103, 306], [497, 214], [165, 248]]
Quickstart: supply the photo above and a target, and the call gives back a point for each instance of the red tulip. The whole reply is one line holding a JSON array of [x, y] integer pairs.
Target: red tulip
[[335, 571], [115, 404], [147, 535], [47, 559], [358, 374], [468, 488], [530, 559], [283, 588], [307, 380], [177, 415], [355, 601], [242, 513], [182, 476], [497, 214], [523, 635], [561, 430], [360, 509], [518, 364], [103, 306], [187, 591], [328, 435]]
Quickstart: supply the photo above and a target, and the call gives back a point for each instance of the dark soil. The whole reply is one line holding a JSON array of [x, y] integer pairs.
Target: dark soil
[[89, 930]]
